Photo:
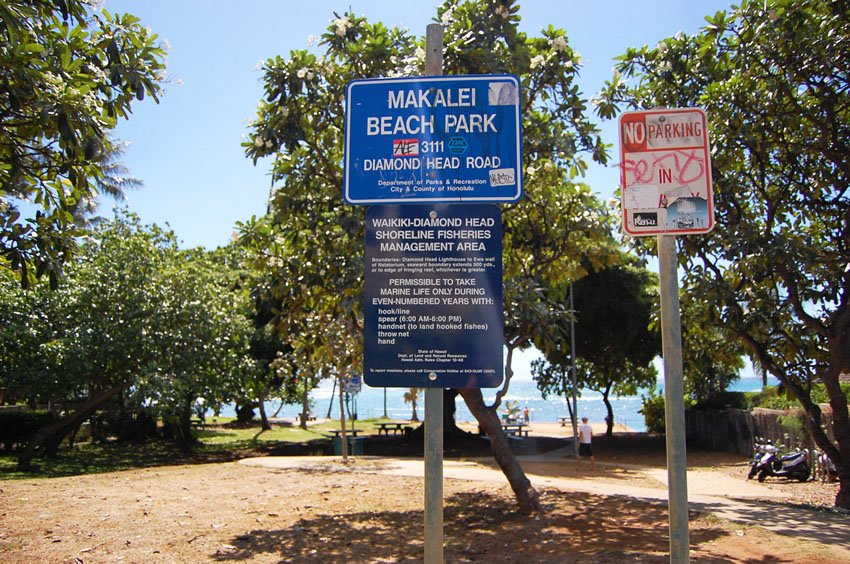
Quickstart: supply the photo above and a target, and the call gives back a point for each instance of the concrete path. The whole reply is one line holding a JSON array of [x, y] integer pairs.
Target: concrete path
[[818, 526]]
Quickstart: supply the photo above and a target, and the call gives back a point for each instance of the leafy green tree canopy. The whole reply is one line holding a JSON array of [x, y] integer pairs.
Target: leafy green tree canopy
[[772, 78], [67, 74], [615, 343], [312, 243], [158, 327]]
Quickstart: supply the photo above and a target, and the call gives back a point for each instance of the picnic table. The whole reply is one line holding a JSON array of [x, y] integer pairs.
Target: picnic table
[[512, 429], [349, 432], [516, 429], [563, 421], [385, 428]]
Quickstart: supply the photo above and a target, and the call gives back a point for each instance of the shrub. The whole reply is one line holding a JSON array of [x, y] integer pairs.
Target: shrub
[[653, 412], [16, 426], [724, 400]]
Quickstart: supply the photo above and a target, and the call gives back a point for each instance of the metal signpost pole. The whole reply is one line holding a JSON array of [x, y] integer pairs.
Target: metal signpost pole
[[433, 296], [674, 392], [573, 373], [666, 187], [434, 396], [433, 475]]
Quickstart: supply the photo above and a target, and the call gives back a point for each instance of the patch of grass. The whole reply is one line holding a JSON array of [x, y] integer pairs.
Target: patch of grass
[[92, 458], [224, 436], [216, 443]]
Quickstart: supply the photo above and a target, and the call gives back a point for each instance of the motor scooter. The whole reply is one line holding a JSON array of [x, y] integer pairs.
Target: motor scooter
[[759, 450], [793, 466]]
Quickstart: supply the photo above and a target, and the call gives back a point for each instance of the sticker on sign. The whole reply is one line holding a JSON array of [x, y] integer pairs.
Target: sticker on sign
[[665, 172]]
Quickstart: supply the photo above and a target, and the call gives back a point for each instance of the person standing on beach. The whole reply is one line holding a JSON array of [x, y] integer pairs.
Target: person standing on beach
[[585, 435]]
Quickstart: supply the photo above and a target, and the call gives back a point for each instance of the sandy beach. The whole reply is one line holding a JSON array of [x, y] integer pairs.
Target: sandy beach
[[555, 430]]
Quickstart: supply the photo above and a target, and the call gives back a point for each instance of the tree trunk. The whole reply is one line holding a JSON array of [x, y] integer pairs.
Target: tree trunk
[[839, 352], [839, 453], [609, 418], [527, 497], [305, 405], [50, 436], [331, 403], [264, 419], [245, 414], [451, 432], [183, 432], [344, 433], [450, 428]]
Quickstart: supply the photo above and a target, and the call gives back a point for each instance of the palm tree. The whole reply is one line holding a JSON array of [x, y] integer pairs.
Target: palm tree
[[411, 397], [114, 182]]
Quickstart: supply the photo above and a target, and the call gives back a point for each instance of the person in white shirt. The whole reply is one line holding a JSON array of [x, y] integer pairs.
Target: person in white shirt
[[585, 435]]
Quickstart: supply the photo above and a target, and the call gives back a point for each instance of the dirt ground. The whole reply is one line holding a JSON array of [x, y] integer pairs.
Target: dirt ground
[[331, 512]]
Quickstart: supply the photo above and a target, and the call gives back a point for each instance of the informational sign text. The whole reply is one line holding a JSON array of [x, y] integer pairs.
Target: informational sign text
[[433, 296]]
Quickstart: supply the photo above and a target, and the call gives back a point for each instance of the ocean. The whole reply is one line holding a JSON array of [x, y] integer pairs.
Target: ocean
[[370, 403]]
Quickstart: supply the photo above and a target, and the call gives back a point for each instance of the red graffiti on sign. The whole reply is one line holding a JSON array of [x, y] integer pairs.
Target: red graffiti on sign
[[686, 166]]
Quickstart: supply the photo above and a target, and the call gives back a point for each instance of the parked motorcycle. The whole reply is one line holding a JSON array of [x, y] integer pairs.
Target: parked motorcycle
[[793, 466], [760, 449]]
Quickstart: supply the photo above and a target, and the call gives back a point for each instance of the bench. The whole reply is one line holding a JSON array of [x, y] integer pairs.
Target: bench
[[563, 421], [385, 428], [310, 417], [511, 429], [348, 432], [515, 429]]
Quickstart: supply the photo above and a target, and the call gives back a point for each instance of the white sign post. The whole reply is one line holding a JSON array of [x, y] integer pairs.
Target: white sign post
[[434, 396], [666, 191]]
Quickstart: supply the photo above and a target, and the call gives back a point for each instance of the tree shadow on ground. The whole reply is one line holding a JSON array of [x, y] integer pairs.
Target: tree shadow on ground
[[479, 526]]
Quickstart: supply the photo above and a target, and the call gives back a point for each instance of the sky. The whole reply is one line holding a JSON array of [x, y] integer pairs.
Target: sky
[[187, 149]]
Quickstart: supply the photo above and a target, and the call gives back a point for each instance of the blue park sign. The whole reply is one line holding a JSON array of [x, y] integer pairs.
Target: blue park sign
[[447, 139]]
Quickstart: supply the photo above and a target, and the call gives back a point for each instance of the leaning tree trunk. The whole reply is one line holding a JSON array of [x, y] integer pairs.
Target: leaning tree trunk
[[609, 419], [527, 497], [838, 453], [50, 436], [264, 419]]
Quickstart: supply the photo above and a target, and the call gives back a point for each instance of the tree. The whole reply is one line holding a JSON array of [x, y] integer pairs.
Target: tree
[[773, 275], [140, 323], [711, 361], [313, 244], [99, 327], [30, 323], [277, 373], [615, 345], [200, 336], [116, 180], [412, 397], [66, 75]]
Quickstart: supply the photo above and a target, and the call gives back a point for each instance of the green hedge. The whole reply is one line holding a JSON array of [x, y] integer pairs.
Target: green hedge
[[16, 426], [725, 400]]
